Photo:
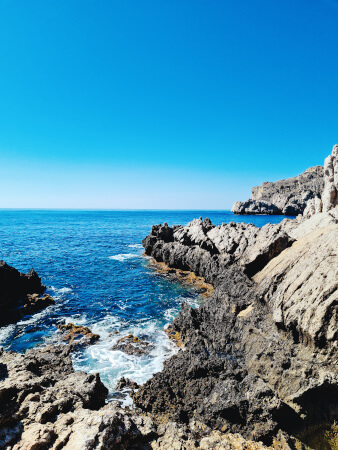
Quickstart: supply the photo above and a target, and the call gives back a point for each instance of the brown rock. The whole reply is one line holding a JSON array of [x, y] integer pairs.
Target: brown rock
[[132, 345], [78, 335]]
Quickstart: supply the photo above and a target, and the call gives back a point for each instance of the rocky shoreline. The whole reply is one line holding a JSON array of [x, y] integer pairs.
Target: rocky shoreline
[[257, 362], [295, 195]]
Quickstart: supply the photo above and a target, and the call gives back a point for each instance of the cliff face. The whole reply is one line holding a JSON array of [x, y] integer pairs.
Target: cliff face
[[288, 197], [259, 355]]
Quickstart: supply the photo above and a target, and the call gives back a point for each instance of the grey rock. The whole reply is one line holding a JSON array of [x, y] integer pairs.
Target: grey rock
[[44, 404], [259, 355], [207, 250], [330, 194], [301, 287], [288, 197]]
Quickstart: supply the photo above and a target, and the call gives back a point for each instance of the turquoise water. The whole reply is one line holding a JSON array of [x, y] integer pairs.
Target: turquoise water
[[93, 265]]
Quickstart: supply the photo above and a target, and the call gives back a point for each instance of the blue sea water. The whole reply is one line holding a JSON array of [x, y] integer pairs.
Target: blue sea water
[[93, 265]]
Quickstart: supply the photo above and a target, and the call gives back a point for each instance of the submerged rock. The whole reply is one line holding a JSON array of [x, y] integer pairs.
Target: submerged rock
[[20, 294], [132, 345], [78, 335]]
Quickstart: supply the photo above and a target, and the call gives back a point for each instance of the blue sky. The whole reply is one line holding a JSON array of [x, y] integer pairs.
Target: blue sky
[[163, 103]]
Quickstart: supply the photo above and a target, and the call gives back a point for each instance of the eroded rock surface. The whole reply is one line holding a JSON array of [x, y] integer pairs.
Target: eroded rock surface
[[44, 404], [329, 198], [132, 345], [78, 335], [288, 197], [301, 287], [260, 354], [20, 294], [208, 250]]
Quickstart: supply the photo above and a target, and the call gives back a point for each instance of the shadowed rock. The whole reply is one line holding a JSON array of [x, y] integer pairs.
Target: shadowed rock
[[20, 294]]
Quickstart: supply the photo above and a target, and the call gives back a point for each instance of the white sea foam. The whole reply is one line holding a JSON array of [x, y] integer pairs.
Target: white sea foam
[[135, 246], [114, 364], [37, 317], [123, 256], [60, 291], [5, 332]]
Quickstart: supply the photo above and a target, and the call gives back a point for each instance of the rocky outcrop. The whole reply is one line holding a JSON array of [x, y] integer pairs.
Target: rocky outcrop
[[20, 294], [208, 250], [287, 197], [132, 345], [329, 198], [301, 287], [44, 404], [78, 335], [259, 355]]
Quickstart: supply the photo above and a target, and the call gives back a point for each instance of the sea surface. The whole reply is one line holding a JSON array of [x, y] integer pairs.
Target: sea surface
[[93, 265]]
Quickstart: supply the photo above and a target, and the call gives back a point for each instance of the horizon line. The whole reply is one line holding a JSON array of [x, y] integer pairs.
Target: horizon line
[[110, 209]]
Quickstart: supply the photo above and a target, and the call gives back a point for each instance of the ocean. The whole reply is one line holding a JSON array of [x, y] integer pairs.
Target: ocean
[[93, 265]]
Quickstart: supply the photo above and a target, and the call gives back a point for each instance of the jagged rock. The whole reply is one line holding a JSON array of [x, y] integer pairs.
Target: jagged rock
[[78, 335], [44, 404], [240, 367], [20, 294], [330, 194], [313, 206], [255, 207], [132, 345], [207, 250], [329, 198], [288, 197], [126, 383]]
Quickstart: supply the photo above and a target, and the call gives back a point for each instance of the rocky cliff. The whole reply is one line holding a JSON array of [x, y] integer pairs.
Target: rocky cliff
[[287, 197], [20, 294], [260, 354], [257, 363]]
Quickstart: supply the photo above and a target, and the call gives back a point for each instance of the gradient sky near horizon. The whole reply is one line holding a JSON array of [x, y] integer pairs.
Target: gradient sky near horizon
[[162, 104]]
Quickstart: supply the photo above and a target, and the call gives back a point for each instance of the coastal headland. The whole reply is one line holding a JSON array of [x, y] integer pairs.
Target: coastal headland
[[256, 365]]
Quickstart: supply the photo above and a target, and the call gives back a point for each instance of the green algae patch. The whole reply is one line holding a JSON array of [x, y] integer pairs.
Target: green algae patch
[[319, 437]]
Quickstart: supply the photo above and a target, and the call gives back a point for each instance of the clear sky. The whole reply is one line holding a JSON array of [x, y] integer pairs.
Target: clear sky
[[162, 103]]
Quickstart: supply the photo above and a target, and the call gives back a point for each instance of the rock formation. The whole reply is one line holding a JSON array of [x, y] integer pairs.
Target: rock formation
[[20, 294], [256, 366], [287, 197], [78, 335], [329, 196], [44, 404], [260, 354], [132, 345]]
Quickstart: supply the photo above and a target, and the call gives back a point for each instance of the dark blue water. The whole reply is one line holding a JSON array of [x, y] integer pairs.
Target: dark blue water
[[92, 264]]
